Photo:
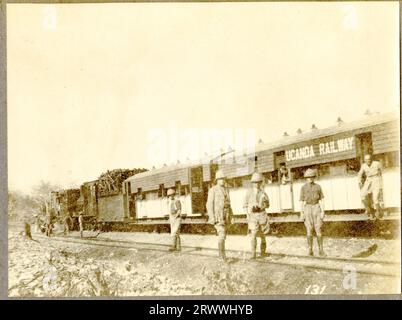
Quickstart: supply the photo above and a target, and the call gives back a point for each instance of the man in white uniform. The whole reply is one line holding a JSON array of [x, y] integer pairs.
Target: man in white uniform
[[371, 186]]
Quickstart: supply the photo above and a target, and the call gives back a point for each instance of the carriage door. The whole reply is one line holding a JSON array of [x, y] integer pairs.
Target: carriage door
[[213, 168], [284, 182], [93, 202], [364, 145], [197, 194], [126, 197], [130, 204]]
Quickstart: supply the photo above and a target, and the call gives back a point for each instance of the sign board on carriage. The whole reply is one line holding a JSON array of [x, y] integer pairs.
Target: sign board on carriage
[[320, 149]]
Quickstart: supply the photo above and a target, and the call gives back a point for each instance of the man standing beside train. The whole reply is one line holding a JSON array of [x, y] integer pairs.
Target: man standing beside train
[[175, 220], [312, 210], [255, 203], [370, 183], [48, 219], [81, 223], [219, 210]]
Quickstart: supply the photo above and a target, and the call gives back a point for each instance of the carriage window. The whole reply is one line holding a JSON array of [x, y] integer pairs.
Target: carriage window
[[230, 183], [267, 177], [236, 182], [161, 191], [274, 176], [388, 160], [298, 173], [338, 170], [394, 159], [183, 190], [246, 183], [352, 166], [323, 170], [151, 195]]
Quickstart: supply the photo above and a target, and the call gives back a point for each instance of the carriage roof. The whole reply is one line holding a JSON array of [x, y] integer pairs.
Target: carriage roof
[[367, 121], [169, 175]]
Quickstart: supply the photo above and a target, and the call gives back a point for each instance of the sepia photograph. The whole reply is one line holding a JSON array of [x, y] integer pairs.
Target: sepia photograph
[[203, 149]]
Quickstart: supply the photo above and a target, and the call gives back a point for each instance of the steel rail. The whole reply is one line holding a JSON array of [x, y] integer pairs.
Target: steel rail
[[273, 258]]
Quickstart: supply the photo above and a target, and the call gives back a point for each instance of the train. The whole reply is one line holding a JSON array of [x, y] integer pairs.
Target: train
[[336, 153]]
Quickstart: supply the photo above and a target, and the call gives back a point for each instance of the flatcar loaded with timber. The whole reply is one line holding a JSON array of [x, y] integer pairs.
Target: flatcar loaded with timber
[[336, 153]]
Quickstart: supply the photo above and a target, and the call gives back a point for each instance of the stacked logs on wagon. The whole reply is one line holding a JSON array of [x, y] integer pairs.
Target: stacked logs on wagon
[[110, 182]]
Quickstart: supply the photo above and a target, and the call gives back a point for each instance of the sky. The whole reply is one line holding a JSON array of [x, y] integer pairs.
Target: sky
[[93, 87]]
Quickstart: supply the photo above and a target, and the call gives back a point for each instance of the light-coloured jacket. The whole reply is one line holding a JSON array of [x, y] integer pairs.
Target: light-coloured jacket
[[255, 198], [218, 206], [372, 174], [174, 216]]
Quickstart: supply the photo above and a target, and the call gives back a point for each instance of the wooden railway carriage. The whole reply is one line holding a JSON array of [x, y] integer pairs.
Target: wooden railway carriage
[[336, 152], [146, 193]]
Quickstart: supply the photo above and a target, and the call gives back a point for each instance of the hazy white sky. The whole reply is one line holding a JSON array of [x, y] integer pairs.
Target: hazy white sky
[[89, 84]]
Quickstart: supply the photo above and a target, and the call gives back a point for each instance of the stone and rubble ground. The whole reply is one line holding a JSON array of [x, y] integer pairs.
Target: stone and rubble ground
[[43, 268]]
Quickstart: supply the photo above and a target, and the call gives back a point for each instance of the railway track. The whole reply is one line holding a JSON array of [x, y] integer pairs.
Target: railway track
[[338, 264]]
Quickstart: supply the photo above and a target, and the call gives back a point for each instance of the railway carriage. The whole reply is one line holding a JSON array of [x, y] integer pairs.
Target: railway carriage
[[336, 152], [146, 193]]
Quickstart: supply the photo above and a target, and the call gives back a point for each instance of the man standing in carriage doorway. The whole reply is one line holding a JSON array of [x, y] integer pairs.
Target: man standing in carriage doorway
[[370, 183], [255, 203], [175, 220], [312, 210], [219, 210]]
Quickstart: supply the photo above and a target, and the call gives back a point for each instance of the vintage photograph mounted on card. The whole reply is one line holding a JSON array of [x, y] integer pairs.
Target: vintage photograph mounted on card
[[203, 149]]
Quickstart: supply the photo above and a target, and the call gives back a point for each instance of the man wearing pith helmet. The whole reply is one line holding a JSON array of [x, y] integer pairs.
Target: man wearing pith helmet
[[219, 210], [312, 210], [255, 203], [175, 220]]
